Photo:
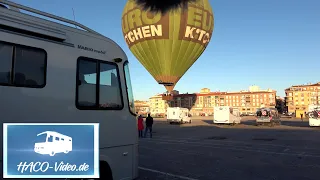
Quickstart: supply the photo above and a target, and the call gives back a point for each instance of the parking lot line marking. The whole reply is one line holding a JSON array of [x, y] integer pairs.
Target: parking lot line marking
[[215, 143], [237, 149], [167, 174], [237, 142], [224, 145]]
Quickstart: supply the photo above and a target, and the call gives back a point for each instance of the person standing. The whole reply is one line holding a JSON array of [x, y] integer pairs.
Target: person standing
[[140, 126], [301, 115], [149, 123]]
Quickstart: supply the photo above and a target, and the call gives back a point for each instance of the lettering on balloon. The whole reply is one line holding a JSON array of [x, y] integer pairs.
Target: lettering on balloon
[[139, 25], [196, 24]]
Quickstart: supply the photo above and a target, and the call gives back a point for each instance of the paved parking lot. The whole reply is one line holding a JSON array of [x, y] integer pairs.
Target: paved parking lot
[[202, 150]]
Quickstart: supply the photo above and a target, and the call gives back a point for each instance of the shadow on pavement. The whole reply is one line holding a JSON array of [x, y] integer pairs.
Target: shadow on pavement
[[208, 121], [295, 123]]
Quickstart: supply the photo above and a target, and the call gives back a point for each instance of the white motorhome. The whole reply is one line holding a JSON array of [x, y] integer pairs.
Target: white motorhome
[[178, 115], [53, 143], [51, 72], [268, 116], [314, 115], [226, 115]]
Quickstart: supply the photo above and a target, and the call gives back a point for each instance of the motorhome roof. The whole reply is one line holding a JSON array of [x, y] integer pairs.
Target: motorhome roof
[[61, 19], [52, 133], [57, 29]]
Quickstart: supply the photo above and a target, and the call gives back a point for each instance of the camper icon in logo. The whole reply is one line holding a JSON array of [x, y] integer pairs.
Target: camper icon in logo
[[52, 143]]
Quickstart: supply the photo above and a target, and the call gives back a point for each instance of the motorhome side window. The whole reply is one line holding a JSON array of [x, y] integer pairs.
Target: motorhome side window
[[98, 85], [22, 66]]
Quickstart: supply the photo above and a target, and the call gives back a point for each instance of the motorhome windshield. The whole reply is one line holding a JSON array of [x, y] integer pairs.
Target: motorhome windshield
[[44, 137]]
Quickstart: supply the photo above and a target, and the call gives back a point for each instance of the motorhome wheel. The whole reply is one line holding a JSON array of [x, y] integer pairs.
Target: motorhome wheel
[[52, 153]]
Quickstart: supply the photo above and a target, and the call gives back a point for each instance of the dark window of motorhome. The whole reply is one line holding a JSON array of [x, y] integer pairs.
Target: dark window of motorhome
[[98, 85], [87, 83], [29, 67], [22, 66], [110, 90], [50, 139], [5, 63]]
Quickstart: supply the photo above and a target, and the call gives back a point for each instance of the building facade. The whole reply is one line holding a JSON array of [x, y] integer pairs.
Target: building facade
[[142, 107], [299, 97], [204, 101], [157, 105]]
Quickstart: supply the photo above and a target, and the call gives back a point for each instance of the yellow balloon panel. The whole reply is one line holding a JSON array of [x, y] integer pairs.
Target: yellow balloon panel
[[168, 44]]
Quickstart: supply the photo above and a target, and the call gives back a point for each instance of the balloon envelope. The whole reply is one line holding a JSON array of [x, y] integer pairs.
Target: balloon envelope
[[167, 44]]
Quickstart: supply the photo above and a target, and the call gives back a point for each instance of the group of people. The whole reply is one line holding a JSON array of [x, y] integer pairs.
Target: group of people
[[149, 123]]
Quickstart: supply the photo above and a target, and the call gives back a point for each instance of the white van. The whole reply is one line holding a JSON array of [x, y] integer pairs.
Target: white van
[[226, 115], [178, 115], [314, 115], [58, 73]]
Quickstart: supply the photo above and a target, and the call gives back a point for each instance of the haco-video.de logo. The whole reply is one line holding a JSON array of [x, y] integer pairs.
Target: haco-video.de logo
[[51, 152]]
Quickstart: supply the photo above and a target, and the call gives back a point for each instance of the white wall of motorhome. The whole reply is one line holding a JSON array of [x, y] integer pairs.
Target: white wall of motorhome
[[177, 114], [222, 115], [314, 122], [55, 103]]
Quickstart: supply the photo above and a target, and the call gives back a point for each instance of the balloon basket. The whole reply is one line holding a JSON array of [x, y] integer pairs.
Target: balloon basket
[[167, 97]]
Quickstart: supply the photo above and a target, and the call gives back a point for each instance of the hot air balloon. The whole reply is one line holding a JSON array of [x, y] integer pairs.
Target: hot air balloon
[[167, 36]]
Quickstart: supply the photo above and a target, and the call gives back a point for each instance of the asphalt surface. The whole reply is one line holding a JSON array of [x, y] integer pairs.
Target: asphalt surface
[[204, 151]]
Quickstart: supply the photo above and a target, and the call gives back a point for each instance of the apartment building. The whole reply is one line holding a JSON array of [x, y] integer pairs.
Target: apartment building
[[204, 101], [299, 97], [157, 105], [142, 107]]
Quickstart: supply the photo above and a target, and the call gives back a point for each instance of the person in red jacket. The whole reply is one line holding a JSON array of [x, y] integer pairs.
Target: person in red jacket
[[140, 126]]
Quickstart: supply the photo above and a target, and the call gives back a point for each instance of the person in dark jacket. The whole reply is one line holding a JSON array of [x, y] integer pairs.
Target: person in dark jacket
[[149, 123]]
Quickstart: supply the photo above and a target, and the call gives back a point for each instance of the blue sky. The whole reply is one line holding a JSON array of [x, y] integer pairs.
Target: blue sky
[[271, 43]]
